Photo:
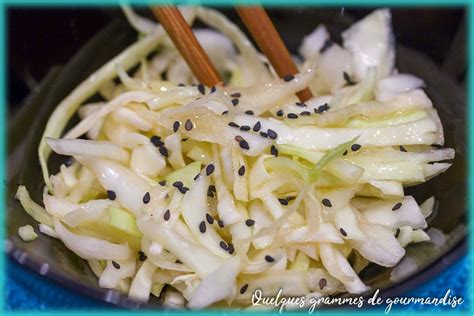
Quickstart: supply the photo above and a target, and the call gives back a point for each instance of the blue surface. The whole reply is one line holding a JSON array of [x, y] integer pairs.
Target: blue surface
[[26, 290], [455, 278]]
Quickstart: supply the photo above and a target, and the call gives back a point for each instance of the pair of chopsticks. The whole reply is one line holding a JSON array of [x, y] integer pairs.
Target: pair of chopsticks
[[260, 27]]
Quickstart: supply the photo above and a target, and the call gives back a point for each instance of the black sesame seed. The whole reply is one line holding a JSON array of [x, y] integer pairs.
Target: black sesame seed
[[301, 104], [235, 102], [348, 79], [283, 201], [178, 184], [269, 258], [162, 183], [403, 149], [141, 256], [111, 195], [181, 85], [163, 151], [274, 151], [202, 89], [244, 288], [202, 227], [327, 202], [279, 113], [322, 283], [69, 161], [257, 126], [176, 125], [343, 232], [355, 147], [213, 89], [223, 245], [397, 206], [220, 222], [272, 134], [225, 112], [210, 169], [322, 108], [245, 128], [167, 215], [397, 233], [305, 113], [146, 198], [196, 176], [264, 135], [178, 261], [156, 140], [188, 125], [249, 222], [183, 190], [230, 249], [184, 139], [292, 116], [116, 265], [288, 78], [244, 145], [249, 112], [345, 153], [236, 95], [233, 124], [241, 171], [209, 219], [238, 138]]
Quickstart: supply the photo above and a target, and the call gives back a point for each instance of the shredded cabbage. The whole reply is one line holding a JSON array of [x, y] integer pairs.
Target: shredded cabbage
[[27, 233], [217, 286], [141, 285], [90, 247], [38, 213], [202, 195], [113, 273], [371, 43]]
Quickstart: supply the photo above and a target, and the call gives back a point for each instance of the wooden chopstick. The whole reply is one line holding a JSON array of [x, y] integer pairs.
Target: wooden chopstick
[[187, 44], [264, 33]]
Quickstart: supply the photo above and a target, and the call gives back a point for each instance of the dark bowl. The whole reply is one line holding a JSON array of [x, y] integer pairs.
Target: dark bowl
[[448, 95]]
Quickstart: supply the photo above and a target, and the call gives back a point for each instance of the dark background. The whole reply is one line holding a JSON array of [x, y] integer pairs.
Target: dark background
[[39, 38]]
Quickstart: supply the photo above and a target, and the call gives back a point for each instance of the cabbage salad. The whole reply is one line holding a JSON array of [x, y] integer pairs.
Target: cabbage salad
[[202, 195]]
